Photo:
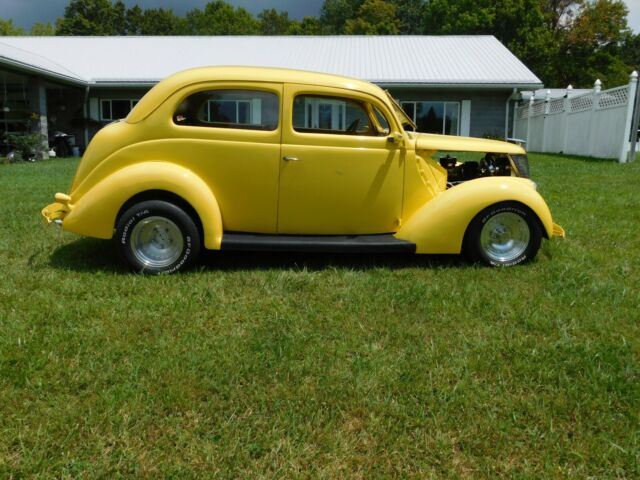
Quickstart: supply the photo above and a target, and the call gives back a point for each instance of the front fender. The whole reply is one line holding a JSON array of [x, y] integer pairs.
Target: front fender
[[94, 213], [440, 224]]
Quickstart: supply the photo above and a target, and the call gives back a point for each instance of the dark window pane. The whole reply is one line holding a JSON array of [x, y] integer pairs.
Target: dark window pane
[[434, 117], [244, 113], [410, 109], [325, 117], [120, 108], [309, 121], [222, 111], [451, 119], [429, 116], [106, 110]]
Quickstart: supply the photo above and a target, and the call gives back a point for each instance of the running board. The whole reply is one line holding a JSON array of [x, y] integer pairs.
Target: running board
[[385, 243]]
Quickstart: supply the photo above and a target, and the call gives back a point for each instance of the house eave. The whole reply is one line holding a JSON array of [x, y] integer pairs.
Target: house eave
[[43, 72], [123, 83]]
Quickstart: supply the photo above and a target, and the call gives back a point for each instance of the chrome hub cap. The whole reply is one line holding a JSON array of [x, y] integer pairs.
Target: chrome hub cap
[[157, 242], [505, 237]]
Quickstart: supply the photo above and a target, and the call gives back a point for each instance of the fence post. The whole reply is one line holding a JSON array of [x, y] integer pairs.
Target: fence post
[[597, 86], [635, 127], [565, 118], [531, 100], [545, 116], [624, 148]]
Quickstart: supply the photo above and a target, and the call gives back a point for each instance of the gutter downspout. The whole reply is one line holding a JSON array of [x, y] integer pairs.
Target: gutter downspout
[[86, 115]]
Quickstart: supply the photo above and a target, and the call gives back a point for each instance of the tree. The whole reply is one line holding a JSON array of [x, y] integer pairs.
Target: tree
[[335, 13], [410, 13], [559, 14], [220, 18], [133, 20], [593, 45], [7, 28], [374, 17], [273, 22], [630, 50], [87, 17], [308, 26], [102, 17], [518, 24], [42, 30], [119, 18], [159, 21]]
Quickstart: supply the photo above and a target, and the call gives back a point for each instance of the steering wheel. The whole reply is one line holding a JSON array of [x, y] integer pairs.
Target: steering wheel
[[353, 126]]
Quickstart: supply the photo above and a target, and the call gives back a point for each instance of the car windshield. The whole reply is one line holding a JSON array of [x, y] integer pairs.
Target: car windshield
[[400, 112]]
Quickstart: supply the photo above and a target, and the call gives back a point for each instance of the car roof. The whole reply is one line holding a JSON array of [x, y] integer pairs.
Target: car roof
[[171, 84]]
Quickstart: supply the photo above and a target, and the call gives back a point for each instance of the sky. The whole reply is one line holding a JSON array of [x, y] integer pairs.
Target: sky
[[27, 12], [634, 14]]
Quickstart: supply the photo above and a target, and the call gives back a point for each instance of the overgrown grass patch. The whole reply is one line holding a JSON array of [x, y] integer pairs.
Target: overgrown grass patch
[[318, 366]]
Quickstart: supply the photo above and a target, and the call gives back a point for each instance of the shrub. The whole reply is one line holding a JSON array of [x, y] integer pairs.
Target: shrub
[[27, 146]]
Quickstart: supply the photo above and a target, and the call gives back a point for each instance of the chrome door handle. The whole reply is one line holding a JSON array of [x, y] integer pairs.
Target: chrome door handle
[[290, 159]]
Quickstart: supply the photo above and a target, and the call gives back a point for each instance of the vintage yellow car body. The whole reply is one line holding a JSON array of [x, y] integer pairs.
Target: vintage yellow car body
[[244, 180]]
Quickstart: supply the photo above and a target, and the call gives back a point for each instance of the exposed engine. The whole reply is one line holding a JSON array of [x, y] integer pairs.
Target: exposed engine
[[491, 165]]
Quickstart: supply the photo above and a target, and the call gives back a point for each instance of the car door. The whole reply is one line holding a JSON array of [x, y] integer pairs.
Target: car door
[[229, 134], [340, 172]]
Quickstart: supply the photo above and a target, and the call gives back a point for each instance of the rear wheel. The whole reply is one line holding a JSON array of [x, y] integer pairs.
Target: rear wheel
[[503, 235], [157, 237]]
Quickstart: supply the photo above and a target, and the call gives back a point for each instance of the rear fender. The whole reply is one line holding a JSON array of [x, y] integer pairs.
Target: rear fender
[[94, 214], [439, 225]]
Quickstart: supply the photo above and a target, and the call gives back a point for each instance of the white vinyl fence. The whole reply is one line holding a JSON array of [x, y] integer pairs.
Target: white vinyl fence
[[595, 124]]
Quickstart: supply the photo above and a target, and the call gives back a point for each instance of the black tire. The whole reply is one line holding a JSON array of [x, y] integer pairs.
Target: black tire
[[157, 237], [503, 235]]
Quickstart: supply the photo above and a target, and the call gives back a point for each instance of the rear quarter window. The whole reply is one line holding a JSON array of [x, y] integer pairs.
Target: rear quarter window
[[237, 109]]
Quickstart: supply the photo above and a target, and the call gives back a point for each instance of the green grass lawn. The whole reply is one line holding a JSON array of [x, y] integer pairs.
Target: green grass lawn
[[316, 366]]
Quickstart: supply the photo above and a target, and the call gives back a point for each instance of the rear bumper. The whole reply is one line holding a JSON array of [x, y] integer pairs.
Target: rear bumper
[[55, 212]]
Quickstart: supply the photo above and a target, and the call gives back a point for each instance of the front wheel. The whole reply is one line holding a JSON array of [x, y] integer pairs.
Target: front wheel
[[157, 237], [503, 235]]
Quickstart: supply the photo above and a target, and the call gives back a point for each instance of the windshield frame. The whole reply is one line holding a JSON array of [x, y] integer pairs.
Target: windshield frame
[[400, 112]]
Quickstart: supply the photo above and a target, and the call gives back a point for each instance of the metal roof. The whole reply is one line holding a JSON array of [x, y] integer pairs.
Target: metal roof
[[443, 61]]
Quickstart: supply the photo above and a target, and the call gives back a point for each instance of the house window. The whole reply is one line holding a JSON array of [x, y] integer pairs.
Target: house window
[[434, 117], [241, 109], [116, 109], [314, 114], [229, 111]]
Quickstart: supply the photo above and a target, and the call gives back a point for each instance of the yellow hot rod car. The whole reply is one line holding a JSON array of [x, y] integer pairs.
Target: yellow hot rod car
[[235, 158]]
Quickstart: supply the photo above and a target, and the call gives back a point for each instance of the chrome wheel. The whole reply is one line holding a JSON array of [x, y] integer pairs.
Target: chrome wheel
[[156, 242], [505, 237]]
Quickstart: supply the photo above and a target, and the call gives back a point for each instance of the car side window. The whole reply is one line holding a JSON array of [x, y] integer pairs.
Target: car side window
[[239, 109], [318, 114], [382, 121]]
